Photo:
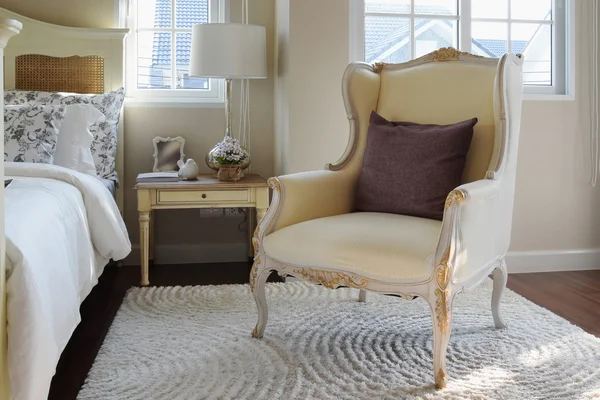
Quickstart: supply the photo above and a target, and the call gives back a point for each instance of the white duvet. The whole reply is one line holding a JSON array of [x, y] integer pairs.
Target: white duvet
[[62, 227]]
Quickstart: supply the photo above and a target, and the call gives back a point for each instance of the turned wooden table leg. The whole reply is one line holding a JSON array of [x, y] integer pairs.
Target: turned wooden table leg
[[250, 232], [151, 239], [144, 218], [262, 203], [260, 214]]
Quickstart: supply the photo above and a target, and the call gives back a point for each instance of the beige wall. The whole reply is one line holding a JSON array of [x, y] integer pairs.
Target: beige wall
[[311, 128], [555, 206], [201, 127], [82, 13]]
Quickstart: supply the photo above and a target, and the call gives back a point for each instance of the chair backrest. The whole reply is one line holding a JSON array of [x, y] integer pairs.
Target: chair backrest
[[443, 87]]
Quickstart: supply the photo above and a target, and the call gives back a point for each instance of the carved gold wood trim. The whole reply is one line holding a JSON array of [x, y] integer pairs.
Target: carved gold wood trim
[[455, 197], [449, 54], [440, 379], [443, 274], [274, 183], [443, 270], [254, 274], [255, 241], [441, 309], [330, 279], [377, 67]]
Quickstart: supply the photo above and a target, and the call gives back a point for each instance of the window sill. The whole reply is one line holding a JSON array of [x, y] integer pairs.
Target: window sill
[[548, 97], [173, 102]]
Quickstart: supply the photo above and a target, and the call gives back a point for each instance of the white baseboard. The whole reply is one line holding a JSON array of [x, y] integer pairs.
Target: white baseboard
[[549, 261], [193, 253]]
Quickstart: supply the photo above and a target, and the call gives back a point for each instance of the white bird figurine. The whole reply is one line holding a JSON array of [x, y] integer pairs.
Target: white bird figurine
[[188, 170]]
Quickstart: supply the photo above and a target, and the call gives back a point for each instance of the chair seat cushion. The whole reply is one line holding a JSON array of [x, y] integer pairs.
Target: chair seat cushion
[[375, 245]]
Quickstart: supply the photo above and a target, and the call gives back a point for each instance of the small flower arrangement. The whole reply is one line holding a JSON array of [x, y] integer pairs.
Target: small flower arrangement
[[229, 151]]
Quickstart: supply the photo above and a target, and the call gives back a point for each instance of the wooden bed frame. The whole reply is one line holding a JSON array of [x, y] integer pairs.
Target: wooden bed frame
[[94, 65]]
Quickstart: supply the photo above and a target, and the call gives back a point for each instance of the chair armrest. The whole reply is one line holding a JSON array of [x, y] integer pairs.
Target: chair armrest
[[304, 196], [309, 195], [469, 229], [478, 191]]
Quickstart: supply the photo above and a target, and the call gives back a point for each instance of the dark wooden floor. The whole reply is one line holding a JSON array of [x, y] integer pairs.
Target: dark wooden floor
[[573, 295]]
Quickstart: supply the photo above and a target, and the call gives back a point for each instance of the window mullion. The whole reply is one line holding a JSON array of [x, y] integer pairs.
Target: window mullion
[[559, 48], [523, 21], [177, 30], [132, 57], [553, 59], [465, 26], [408, 15], [173, 48], [412, 29], [509, 28]]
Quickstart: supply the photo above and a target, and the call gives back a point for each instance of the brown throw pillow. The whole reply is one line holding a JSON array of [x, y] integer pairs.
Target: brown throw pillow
[[410, 168]]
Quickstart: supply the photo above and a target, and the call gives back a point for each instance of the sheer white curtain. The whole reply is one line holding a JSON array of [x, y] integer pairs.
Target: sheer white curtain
[[591, 13], [587, 76]]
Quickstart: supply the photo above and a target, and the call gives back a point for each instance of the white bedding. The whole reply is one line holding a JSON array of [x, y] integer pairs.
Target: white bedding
[[62, 227], [110, 185]]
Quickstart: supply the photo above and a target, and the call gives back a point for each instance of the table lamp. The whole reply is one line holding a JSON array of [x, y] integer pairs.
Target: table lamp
[[230, 51]]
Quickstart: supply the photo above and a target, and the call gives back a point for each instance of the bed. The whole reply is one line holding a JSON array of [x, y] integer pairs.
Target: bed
[[62, 227]]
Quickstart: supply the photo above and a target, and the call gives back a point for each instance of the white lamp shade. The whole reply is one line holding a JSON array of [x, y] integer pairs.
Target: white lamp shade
[[228, 51]]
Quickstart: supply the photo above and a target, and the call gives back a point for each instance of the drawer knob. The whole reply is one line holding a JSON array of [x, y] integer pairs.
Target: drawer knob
[[203, 195]]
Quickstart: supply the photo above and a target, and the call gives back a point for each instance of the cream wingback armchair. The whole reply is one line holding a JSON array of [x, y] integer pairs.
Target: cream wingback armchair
[[310, 230]]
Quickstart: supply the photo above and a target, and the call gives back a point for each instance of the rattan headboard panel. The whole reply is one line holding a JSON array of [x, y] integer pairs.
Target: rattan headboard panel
[[59, 74]]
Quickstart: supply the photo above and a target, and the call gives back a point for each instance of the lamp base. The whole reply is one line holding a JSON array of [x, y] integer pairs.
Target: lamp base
[[210, 160], [215, 166]]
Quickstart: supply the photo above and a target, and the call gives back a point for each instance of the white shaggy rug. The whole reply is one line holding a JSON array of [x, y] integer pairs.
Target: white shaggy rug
[[194, 343]]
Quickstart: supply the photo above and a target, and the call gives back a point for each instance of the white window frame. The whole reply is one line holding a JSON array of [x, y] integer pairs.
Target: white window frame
[[563, 78], [213, 97]]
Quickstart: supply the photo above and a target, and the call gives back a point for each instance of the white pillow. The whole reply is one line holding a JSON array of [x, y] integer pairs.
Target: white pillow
[[73, 149]]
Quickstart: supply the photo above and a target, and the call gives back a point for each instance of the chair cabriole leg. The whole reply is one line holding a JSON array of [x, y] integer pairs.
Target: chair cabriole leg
[[362, 295], [258, 279], [500, 276], [441, 307]]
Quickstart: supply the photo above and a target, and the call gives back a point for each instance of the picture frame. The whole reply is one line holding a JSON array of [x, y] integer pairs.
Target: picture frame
[[167, 151]]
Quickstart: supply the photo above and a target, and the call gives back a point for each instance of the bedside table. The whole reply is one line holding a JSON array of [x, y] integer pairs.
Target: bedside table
[[251, 191]]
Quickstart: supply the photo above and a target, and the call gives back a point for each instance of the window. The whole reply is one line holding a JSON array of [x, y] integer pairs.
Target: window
[[401, 30], [159, 45]]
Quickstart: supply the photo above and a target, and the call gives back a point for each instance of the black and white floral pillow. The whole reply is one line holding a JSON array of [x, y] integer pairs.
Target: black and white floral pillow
[[104, 146], [31, 132]]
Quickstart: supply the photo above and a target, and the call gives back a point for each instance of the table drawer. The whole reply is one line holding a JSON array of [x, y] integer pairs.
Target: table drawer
[[202, 196]]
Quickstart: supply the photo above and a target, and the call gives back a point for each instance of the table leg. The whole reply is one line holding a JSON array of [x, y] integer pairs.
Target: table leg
[[144, 218], [262, 203], [260, 213], [151, 239], [250, 232]]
